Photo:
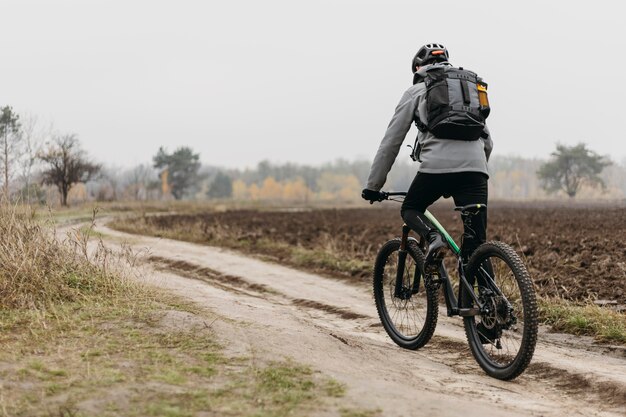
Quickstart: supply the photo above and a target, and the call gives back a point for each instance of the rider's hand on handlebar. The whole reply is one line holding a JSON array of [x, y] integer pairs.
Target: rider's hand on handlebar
[[371, 195]]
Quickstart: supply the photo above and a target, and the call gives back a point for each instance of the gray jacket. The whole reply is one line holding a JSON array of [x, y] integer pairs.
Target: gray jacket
[[438, 156]]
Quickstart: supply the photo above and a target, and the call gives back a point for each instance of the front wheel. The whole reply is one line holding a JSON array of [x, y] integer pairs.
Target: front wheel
[[409, 313], [503, 335]]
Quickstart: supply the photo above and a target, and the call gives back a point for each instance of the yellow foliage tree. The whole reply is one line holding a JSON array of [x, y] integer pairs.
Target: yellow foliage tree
[[165, 187], [338, 186], [240, 190], [295, 190], [254, 192], [271, 189]]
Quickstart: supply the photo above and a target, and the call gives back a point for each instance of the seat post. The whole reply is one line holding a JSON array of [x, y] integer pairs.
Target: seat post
[[468, 213]]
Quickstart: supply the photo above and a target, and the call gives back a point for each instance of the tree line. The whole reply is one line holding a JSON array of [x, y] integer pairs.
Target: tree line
[[40, 165], [570, 171]]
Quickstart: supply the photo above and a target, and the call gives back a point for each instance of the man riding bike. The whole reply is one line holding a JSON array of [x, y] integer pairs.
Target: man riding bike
[[455, 167]]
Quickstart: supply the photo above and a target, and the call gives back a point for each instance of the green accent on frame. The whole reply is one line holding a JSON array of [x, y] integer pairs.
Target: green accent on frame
[[443, 231]]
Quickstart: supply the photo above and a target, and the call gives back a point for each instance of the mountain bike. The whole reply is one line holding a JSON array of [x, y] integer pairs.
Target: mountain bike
[[496, 297]]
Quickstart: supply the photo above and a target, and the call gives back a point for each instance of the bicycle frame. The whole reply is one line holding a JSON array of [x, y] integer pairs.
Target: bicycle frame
[[441, 276]]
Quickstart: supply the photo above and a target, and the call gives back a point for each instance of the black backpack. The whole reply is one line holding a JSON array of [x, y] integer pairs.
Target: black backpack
[[456, 103]]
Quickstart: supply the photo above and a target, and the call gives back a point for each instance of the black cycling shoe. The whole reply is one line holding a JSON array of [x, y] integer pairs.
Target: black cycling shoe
[[434, 255]]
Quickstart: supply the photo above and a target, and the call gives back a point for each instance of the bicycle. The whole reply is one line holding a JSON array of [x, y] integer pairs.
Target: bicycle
[[496, 297]]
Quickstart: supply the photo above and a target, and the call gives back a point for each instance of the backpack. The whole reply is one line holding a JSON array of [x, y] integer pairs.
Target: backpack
[[456, 103]]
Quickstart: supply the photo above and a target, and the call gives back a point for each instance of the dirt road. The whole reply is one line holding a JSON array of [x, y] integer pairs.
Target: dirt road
[[272, 312]]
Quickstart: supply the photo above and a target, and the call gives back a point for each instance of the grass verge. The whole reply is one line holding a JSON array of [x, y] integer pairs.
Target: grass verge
[[588, 319], [153, 356]]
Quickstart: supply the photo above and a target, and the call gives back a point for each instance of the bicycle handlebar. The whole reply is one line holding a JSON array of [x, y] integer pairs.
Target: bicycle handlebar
[[384, 195]]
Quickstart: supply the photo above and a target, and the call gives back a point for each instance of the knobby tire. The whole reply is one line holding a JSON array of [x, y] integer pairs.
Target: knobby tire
[[411, 322], [513, 281]]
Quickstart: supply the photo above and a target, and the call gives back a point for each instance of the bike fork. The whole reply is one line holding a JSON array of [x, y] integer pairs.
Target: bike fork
[[401, 261]]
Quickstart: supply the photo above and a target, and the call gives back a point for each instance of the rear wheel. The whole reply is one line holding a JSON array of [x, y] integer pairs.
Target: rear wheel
[[503, 336], [410, 315]]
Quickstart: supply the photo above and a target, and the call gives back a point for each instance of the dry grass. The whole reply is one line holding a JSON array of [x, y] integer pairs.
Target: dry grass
[[329, 254], [79, 337], [37, 269], [584, 319]]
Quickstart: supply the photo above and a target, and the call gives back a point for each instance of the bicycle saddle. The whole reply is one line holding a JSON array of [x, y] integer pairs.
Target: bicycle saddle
[[475, 208]]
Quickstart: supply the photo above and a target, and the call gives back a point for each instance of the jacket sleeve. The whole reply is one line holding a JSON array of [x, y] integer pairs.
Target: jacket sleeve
[[390, 145], [488, 143]]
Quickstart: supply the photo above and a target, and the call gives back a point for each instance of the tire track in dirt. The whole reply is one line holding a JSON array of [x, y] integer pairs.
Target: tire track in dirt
[[234, 283], [571, 384], [560, 381], [208, 275], [578, 385]]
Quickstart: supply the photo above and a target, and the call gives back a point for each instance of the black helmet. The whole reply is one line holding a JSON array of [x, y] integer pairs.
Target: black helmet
[[429, 53]]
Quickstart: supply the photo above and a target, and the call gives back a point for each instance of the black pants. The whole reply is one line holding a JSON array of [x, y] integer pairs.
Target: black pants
[[464, 187]]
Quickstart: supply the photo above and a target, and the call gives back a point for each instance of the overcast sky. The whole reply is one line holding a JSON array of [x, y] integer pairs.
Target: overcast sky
[[306, 81]]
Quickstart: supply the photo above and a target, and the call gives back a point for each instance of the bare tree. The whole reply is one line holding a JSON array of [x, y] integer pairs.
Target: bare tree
[[138, 181], [33, 137], [9, 142], [67, 165], [108, 185]]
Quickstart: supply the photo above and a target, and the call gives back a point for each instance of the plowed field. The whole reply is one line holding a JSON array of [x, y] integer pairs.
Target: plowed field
[[575, 252]]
